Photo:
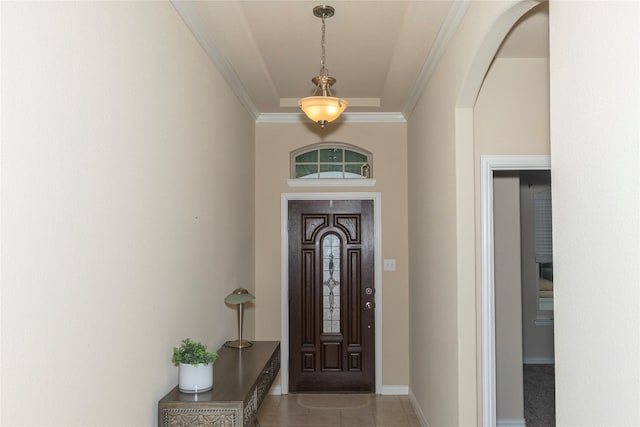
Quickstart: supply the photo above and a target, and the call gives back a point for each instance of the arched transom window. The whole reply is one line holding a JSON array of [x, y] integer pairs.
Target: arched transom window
[[331, 160]]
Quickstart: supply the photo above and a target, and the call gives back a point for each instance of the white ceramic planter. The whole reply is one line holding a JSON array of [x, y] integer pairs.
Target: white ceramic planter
[[195, 378]]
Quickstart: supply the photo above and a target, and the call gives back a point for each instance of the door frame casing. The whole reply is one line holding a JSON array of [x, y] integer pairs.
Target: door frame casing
[[284, 274], [490, 164]]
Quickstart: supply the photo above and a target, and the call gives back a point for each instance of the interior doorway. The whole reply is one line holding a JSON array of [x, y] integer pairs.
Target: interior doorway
[[524, 298], [489, 165]]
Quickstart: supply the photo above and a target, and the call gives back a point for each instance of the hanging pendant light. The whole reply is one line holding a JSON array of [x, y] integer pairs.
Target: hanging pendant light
[[322, 107]]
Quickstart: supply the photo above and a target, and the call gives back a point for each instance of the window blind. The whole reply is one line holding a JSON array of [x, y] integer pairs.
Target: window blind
[[543, 226]]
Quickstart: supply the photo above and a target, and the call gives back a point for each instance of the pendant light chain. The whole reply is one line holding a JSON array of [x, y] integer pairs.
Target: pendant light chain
[[323, 69]]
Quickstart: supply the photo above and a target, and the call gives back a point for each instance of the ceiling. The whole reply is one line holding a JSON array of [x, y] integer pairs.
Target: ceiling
[[380, 52]]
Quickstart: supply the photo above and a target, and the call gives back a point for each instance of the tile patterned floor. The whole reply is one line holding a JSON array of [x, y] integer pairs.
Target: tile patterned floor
[[330, 410]]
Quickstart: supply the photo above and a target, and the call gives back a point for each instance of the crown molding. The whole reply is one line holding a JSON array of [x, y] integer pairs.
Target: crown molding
[[191, 17], [194, 22], [344, 118], [448, 29]]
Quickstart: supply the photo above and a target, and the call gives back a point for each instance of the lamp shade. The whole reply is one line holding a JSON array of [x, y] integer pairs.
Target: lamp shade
[[322, 109], [239, 296]]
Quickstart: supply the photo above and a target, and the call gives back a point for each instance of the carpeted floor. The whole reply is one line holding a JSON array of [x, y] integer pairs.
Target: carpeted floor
[[539, 395]]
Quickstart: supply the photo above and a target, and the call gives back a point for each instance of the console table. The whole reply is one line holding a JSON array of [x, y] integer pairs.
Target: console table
[[241, 380]]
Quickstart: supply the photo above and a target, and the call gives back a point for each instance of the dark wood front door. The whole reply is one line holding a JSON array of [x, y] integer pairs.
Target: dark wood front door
[[331, 296]]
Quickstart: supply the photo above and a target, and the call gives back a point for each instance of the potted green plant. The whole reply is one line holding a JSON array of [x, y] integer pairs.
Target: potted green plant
[[196, 366]]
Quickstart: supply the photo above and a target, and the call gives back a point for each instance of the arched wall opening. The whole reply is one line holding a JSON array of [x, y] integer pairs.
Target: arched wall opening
[[474, 269]]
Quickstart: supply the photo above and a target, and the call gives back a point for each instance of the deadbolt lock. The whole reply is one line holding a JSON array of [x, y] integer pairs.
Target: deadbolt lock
[[368, 291]]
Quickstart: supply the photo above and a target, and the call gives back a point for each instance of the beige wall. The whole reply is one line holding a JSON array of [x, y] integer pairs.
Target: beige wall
[[127, 208], [437, 382], [595, 151], [387, 142], [511, 115], [508, 308], [434, 316]]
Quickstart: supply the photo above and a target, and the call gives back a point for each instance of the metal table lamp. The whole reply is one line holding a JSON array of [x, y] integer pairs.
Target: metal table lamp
[[239, 297]]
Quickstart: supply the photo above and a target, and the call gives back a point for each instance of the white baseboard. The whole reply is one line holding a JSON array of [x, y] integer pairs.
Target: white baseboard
[[418, 410], [538, 361], [543, 322], [276, 389], [511, 422], [386, 389], [395, 389]]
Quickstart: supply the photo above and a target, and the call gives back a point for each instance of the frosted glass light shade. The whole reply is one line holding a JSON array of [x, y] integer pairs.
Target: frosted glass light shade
[[322, 109]]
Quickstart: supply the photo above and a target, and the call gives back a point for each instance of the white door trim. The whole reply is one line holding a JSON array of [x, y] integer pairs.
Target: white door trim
[[489, 164], [284, 274]]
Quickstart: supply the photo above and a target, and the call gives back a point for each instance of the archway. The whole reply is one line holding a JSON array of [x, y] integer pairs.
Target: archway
[[464, 122]]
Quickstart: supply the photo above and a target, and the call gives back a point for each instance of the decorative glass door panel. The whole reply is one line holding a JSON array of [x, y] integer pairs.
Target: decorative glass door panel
[[331, 284]]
